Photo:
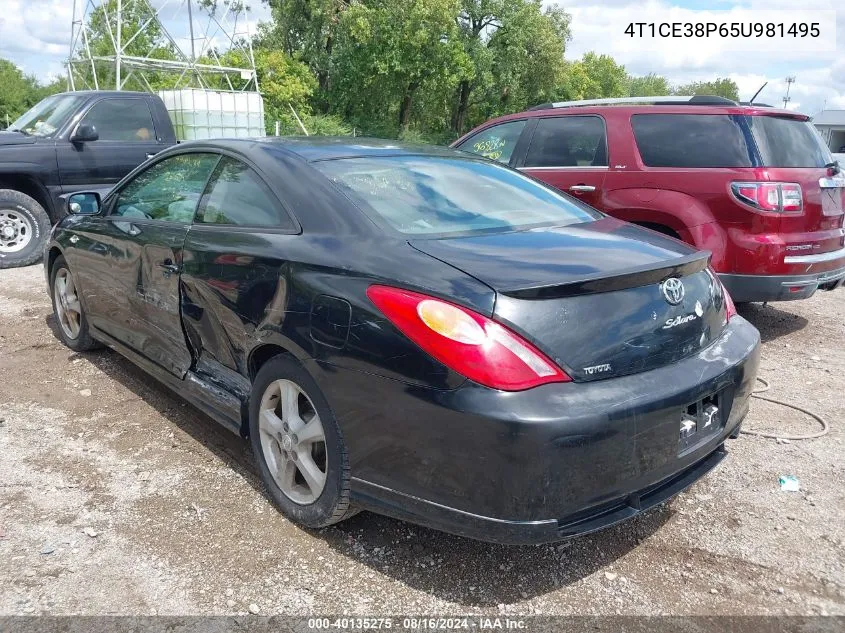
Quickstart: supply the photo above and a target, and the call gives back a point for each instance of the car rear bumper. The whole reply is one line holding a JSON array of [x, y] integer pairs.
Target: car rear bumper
[[544, 464], [745, 288]]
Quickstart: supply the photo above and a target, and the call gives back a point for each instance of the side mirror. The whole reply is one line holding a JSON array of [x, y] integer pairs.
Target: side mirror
[[84, 133], [83, 203]]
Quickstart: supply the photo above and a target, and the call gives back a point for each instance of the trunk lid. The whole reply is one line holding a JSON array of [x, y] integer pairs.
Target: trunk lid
[[592, 296]]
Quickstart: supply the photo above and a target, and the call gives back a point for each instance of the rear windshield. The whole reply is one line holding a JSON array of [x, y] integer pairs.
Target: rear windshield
[[691, 140], [786, 142], [426, 195]]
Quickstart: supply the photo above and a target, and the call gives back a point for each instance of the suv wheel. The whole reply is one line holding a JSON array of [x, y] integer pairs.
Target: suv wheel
[[24, 226], [298, 447]]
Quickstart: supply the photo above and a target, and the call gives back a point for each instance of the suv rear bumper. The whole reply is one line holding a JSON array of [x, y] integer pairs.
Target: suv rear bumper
[[744, 288]]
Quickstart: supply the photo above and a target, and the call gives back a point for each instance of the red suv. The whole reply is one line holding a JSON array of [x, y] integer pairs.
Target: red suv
[[754, 185]]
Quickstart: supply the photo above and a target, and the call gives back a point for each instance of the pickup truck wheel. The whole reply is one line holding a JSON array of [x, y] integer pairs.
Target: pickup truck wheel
[[24, 226]]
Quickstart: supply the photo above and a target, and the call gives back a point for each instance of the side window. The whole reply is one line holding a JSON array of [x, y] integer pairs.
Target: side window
[[691, 140], [122, 120], [238, 197], [497, 142], [570, 141], [168, 191]]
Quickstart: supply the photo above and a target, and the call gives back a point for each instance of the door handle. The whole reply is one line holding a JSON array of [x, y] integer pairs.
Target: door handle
[[168, 266], [582, 188]]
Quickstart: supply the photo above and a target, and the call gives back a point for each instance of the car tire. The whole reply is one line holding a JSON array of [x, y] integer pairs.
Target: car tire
[[288, 446], [71, 321], [24, 227]]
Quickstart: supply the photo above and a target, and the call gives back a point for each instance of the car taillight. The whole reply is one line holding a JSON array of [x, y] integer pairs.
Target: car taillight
[[467, 342], [775, 197]]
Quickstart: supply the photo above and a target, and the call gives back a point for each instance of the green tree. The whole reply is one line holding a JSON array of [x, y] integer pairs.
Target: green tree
[[306, 29], [722, 87], [387, 52], [285, 83], [593, 77], [18, 94], [528, 57], [515, 50], [650, 85]]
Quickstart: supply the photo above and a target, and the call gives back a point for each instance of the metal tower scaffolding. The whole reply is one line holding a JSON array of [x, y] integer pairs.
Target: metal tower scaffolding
[[191, 68]]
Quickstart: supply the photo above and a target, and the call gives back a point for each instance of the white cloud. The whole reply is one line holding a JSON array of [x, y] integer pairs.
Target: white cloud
[[34, 29]]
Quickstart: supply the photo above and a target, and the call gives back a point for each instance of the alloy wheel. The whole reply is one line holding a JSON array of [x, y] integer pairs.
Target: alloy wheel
[[16, 231], [66, 300], [293, 441]]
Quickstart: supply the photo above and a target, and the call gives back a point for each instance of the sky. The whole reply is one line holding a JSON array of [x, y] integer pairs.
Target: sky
[[35, 35]]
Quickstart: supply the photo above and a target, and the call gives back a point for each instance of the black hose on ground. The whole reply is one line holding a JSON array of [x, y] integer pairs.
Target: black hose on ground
[[756, 394]]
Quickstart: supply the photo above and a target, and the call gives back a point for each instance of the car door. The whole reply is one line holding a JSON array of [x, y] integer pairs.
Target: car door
[[235, 266], [128, 261], [569, 153], [127, 137]]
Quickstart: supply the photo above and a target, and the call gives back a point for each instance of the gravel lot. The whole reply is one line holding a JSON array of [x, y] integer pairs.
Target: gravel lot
[[116, 497]]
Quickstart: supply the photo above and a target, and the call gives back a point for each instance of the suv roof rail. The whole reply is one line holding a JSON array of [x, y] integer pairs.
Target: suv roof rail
[[658, 100]]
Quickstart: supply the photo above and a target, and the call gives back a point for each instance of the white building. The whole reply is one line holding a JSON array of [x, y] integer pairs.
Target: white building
[[831, 125]]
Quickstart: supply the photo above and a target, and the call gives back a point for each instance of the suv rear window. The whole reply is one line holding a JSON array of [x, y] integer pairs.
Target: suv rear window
[[425, 195], [691, 140], [787, 142]]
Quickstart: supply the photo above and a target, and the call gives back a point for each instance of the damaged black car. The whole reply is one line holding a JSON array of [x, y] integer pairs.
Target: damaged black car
[[413, 331]]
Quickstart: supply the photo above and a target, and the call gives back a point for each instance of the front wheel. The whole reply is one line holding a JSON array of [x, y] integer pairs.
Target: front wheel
[[298, 447], [24, 226], [67, 308]]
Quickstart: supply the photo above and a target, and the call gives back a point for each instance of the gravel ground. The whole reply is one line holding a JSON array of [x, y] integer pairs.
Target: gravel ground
[[116, 497]]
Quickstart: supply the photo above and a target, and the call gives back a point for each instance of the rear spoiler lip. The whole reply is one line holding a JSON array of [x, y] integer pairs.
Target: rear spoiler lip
[[608, 282]]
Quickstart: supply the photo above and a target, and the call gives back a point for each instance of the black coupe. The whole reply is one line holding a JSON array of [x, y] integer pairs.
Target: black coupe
[[412, 330]]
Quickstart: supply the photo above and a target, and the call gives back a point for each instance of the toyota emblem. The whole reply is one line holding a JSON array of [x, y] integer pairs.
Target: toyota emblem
[[673, 290]]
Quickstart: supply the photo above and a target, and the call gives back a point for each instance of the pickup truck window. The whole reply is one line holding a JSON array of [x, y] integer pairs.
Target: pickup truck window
[[168, 191], [122, 120], [48, 115]]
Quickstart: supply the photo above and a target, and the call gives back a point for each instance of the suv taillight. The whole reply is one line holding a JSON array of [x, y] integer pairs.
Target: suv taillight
[[775, 197]]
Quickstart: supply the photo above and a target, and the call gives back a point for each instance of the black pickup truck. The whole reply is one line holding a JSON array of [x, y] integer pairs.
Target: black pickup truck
[[65, 143]]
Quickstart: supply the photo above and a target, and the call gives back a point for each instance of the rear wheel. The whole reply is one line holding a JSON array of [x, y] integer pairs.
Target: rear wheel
[[70, 317], [24, 226], [297, 444]]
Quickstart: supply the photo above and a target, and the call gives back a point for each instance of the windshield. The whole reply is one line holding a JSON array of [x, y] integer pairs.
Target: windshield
[[426, 195], [788, 142], [47, 116]]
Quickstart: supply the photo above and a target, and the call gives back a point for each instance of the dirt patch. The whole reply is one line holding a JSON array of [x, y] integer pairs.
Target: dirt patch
[[180, 525]]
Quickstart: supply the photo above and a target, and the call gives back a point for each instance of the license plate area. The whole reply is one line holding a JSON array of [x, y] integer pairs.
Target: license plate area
[[700, 422]]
